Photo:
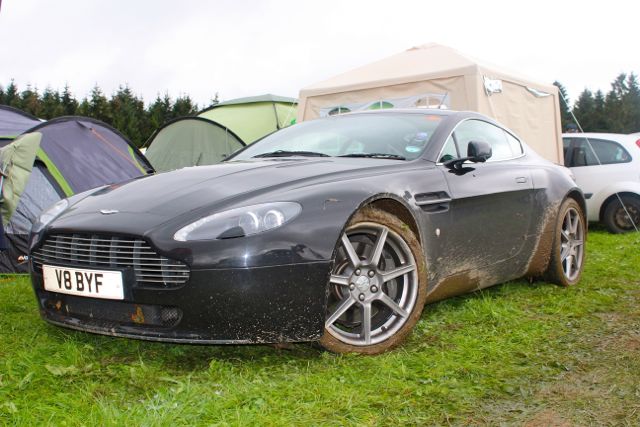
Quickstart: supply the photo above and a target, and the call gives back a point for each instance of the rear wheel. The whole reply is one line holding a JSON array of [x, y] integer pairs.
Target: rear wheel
[[622, 217], [377, 286], [567, 254]]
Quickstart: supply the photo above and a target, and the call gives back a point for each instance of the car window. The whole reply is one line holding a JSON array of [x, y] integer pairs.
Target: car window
[[514, 144], [477, 130], [449, 151], [566, 145], [405, 135], [592, 152]]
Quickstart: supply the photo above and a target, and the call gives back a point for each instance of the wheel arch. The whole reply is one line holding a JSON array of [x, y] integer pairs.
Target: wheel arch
[[578, 196], [398, 209]]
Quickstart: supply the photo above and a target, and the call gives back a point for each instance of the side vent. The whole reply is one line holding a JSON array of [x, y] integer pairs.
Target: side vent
[[435, 202]]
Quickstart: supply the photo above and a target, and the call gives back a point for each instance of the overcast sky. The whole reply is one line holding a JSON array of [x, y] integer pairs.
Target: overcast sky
[[244, 48]]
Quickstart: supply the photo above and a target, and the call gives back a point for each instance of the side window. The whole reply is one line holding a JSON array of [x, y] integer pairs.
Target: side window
[[515, 144], [449, 151], [593, 152], [477, 130], [566, 146]]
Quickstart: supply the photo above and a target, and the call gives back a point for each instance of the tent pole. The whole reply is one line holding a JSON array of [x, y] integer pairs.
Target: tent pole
[[275, 112]]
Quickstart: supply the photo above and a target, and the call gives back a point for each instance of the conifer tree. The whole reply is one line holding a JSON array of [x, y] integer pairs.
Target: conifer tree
[[184, 107], [11, 96], [160, 111], [565, 111], [98, 106], [50, 105], [68, 102], [30, 101], [584, 109]]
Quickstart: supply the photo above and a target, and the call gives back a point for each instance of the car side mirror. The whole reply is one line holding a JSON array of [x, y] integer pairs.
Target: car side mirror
[[478, 151]]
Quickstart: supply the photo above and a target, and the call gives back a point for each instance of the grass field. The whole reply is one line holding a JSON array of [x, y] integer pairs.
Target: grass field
[[519, 353]]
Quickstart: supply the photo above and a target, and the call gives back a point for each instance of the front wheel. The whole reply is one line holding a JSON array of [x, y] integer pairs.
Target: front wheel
[[377, 287], [567, 254]]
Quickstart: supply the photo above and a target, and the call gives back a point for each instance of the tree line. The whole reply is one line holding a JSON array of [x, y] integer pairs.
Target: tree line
[[617, 111], [124, 110]]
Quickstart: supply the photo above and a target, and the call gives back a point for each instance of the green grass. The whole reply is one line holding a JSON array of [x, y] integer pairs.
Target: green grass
[[514, 354]]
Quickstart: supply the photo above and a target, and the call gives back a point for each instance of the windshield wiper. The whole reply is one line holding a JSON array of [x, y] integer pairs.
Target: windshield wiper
[[376, 156], [286, 153]]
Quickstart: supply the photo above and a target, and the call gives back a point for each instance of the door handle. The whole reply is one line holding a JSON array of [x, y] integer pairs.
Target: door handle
[[521, 180]]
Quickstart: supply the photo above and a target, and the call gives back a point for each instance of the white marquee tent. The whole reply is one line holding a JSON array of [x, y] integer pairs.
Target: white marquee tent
[[433, 75]]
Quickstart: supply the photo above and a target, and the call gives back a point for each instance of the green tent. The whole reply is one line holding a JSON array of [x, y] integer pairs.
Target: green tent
[[254, 117], [190, 141]]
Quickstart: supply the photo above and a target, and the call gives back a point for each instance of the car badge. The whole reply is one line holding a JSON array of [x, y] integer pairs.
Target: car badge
[[108, 211]]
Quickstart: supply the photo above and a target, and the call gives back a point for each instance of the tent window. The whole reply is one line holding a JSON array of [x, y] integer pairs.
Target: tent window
[[425, 100]]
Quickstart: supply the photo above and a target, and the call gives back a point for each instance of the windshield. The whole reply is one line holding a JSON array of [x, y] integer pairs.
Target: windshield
[[393, 136]]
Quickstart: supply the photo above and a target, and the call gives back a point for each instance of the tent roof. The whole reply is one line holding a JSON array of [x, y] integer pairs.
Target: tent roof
[[254, 99], [428, 61], [190, 118], [13, 121], [254, 117], [83, 153], [191, 141]]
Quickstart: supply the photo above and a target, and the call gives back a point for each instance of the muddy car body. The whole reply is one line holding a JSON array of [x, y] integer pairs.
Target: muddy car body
[[342, 240]]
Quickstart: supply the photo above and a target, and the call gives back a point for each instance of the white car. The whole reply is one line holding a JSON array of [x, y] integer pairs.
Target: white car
[[607, 169]]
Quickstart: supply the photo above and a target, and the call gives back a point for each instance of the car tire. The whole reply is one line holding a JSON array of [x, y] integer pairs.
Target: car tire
[[567, 253], [381, 277], [615, 215]]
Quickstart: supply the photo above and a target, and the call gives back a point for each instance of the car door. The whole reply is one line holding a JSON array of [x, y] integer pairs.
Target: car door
[[492, 202]]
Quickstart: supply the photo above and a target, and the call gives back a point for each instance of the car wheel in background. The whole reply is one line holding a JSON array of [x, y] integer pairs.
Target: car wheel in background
[[567, 253], [377, 287], [621, 219]]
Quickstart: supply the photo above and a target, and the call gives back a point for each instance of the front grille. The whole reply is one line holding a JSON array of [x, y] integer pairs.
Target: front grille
[[100, 251]]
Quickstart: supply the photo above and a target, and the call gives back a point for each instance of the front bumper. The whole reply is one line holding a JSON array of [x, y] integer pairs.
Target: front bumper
[[283, 303]]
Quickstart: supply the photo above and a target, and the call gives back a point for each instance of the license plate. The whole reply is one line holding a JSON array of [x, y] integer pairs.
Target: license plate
[[86, 283]]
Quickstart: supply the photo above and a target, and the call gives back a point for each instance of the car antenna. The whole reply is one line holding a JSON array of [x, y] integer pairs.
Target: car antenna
[[442, 100]]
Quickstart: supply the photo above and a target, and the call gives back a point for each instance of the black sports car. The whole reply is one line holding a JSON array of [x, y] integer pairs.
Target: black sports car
[[338, 230]]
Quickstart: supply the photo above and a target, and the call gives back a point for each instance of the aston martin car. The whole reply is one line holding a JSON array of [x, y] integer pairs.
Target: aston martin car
[[337, 230]]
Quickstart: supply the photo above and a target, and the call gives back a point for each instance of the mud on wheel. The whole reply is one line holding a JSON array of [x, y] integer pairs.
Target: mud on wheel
[[377, 286], [567, 254]]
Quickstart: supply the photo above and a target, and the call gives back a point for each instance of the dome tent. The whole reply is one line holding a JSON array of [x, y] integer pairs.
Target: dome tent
[[254, 117], [57, 159], [437, 76], [13, 122], [190, 141]]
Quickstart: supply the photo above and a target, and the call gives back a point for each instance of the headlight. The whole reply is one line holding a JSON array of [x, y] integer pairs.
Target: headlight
[[49, 215], [239, 222]]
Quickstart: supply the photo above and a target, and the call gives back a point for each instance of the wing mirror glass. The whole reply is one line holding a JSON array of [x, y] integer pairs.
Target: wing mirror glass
[[478, 151]]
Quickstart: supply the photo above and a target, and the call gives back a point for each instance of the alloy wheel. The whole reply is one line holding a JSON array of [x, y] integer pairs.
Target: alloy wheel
[[374, 285], [572, 246]]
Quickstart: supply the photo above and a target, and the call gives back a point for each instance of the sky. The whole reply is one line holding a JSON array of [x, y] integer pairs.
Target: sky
[[245, 48]]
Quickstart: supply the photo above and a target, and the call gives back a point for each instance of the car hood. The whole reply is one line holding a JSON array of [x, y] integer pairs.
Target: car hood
[[167, 195]]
